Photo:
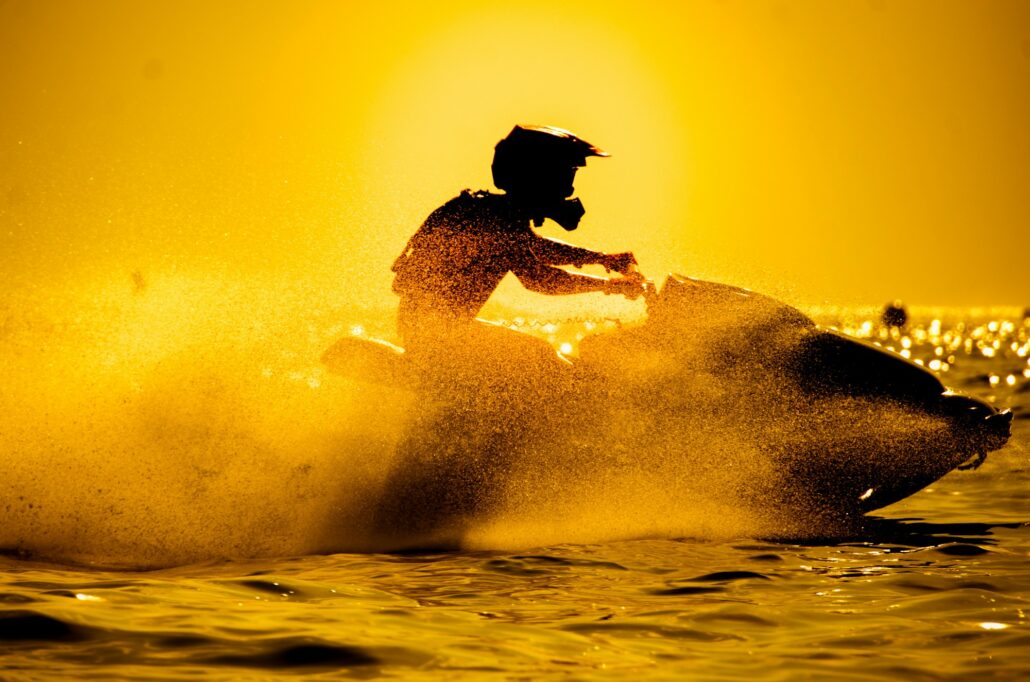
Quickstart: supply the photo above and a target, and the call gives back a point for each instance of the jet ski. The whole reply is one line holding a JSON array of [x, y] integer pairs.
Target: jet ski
[[849, 426], [853, 427]]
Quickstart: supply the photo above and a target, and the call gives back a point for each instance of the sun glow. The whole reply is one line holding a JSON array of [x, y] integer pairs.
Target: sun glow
[[312, 140]]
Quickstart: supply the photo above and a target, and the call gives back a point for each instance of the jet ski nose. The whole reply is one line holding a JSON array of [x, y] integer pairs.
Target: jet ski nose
[[995, 433], [977, 420], [965, 409], [1000, 424]]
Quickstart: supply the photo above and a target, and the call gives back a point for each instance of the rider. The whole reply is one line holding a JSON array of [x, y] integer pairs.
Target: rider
[[500, 388], [462, 251]]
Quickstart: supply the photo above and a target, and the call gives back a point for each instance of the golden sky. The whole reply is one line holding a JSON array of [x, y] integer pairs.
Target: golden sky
[[844, 152]]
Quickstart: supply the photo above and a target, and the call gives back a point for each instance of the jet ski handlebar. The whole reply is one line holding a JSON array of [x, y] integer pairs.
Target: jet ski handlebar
[[633, 284]]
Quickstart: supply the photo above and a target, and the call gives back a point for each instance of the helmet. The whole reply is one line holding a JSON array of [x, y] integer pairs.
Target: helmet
[[529, 151]]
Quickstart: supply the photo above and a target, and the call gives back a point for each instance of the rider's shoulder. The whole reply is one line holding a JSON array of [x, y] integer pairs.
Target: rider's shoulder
[[470, 204], [479, 198]]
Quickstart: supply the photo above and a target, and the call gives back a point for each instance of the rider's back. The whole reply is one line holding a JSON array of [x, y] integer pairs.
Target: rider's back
[[460, 254]]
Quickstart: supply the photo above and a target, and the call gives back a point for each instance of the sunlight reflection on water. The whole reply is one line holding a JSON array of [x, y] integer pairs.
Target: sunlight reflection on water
[[936, 588]]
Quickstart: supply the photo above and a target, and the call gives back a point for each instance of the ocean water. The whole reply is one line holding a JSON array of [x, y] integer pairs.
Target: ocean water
[[166, 518]]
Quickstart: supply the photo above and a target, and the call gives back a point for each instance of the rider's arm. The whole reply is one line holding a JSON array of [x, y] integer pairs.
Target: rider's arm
[[545, 279], [554, 252]]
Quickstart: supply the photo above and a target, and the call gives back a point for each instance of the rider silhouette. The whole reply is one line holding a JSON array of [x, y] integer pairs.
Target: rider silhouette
[[464, 249], [486, 392]]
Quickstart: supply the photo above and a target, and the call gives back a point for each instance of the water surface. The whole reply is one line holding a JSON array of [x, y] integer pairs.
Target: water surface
[[934, 588]]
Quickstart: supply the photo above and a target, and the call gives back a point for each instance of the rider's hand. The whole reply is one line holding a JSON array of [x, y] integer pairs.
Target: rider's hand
[[630, 287], [619, 262]]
